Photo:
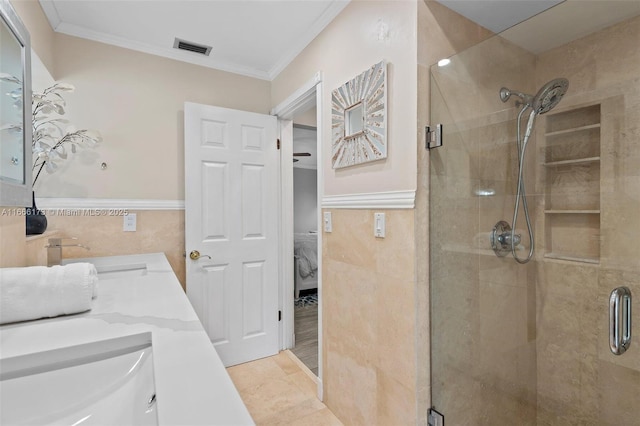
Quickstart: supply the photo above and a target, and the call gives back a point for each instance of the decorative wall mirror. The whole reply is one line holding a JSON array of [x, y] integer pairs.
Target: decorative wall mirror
[[15, 109], [359, 118]]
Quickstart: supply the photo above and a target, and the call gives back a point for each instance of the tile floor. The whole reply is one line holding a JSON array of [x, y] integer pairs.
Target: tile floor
[[280, 390]]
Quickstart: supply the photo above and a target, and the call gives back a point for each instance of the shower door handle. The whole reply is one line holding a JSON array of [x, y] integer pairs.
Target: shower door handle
[[620, 320]]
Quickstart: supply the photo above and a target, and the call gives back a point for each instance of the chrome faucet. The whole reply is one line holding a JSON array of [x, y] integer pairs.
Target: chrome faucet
[[54, 250]]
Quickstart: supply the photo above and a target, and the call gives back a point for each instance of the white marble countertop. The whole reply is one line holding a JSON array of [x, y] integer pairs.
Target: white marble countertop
[[192, 385]]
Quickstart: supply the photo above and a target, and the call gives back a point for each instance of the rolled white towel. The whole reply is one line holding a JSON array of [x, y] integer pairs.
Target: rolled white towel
[[43, 292]]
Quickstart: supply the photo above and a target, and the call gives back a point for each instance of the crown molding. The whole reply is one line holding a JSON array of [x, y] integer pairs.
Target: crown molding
[[376, 200], [108, 203], [329, 14], [50, 11], [168, 52]]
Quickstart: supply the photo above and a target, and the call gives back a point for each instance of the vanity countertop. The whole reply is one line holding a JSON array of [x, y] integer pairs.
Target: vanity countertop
[[192, 385]]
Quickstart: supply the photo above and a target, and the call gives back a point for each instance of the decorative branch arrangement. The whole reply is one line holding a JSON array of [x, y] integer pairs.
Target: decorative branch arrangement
[[52, 135]]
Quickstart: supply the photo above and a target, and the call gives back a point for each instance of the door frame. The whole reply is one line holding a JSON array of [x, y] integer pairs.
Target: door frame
[[299, 101]]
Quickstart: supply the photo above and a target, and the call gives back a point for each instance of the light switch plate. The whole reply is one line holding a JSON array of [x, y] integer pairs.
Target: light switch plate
[[328, 227], [379, 225], [129, 222]]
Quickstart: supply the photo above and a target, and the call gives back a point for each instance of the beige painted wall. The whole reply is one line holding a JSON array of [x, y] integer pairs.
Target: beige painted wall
[[347, 47], [136, 101]]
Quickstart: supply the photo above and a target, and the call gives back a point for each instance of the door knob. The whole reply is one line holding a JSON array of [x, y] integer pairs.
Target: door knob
[[195, 255]]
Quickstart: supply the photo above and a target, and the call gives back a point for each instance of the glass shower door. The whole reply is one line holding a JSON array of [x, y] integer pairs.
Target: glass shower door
[[531, 344]]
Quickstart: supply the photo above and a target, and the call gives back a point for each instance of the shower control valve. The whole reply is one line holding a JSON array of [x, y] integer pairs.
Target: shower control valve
[[501, 238]]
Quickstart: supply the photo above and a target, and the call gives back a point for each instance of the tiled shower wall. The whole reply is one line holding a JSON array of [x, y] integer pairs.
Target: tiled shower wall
[[531, 342], [579, 380], [483, 307], [441, 33]]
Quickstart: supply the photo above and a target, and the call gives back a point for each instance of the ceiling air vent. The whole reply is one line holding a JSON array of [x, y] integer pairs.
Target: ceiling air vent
[[191, 47]]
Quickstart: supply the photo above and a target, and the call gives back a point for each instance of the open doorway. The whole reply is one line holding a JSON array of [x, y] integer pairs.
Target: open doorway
[[303, 107], [305, 239]]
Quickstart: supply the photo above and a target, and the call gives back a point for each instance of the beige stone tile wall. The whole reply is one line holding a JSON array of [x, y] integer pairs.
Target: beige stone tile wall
[[369, 340], [12, 238], [510, 335], [157, 231], [483, 307], [35, 247], [441, 33], [579, 380]]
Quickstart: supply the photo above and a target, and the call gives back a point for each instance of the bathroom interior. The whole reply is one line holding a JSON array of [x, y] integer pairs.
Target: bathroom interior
[[305, 244], [452, 313]]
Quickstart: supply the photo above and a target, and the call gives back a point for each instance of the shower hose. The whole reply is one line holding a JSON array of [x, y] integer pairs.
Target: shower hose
[[521, 191]]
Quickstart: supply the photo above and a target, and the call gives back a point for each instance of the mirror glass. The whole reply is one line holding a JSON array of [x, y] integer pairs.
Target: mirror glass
[[11, 102], [354, 120], [15, 109]]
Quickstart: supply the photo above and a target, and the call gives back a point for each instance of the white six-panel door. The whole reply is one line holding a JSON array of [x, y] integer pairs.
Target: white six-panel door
[[231, 215]]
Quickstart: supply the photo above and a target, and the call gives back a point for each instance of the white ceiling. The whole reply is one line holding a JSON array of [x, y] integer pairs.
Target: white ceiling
[[257, 38], [568, 21], [498, 15], [540, 25]]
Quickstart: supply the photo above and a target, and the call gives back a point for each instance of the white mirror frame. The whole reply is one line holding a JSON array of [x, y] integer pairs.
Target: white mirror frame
[[368, 89], [15, 194]]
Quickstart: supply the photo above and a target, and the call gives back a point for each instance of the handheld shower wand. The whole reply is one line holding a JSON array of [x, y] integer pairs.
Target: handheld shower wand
[[503, 238]]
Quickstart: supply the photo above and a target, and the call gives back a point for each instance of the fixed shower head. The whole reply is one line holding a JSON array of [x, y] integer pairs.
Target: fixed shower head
[[505, 94], [549, 95]]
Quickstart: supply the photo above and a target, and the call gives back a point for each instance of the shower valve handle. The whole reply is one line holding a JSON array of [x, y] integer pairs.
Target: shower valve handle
[[505, 238]]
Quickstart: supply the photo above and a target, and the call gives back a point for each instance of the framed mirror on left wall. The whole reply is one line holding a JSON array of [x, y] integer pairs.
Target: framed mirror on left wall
[[15, 109]]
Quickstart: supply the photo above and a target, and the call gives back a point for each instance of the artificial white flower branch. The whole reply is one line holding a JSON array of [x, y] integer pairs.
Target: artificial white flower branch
[[49, 136]]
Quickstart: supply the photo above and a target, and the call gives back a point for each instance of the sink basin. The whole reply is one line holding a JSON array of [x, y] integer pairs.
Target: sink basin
[[105, 382], [106, 272]]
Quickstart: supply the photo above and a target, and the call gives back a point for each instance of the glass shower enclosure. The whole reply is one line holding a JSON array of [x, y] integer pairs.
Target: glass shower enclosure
[[548, 342]]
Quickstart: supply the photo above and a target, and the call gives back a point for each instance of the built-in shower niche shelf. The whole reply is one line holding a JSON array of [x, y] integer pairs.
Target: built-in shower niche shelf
[[572, 211], [569, 258], [572, 184], [572, 162], [573, 130]]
